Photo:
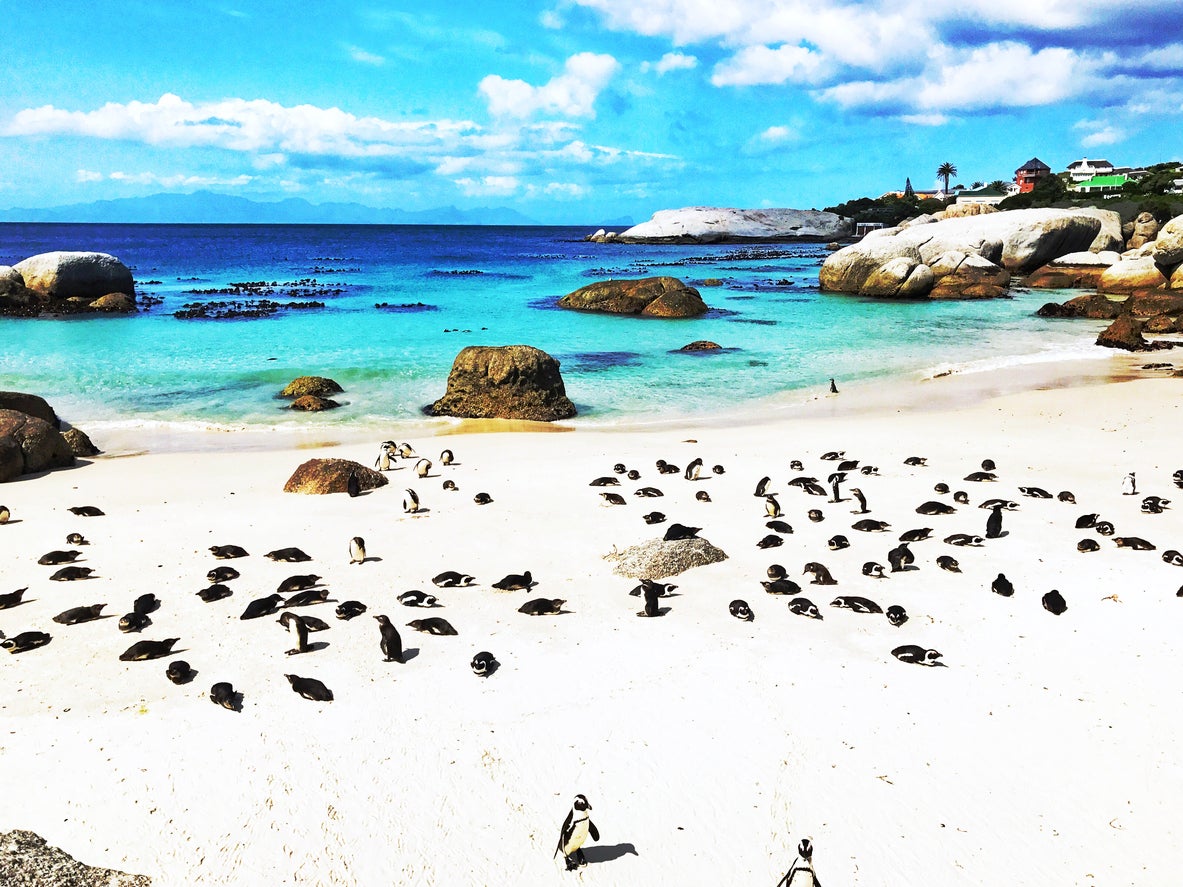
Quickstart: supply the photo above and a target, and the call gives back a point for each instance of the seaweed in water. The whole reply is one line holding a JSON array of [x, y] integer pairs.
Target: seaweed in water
[[408, 308], [245, 308]]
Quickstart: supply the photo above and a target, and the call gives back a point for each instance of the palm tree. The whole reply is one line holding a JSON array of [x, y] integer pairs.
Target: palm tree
[[1000, 185], [977, 185], [946, 171]]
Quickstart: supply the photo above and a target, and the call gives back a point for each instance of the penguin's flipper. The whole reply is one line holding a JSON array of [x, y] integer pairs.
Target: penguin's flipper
[[593, 831], [564, 833]]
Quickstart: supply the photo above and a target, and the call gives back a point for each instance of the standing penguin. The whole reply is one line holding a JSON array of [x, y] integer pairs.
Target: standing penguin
[[693, 470], [861, 499], [391, 644], [1129, 485], [357, 550], [382, 463], [446, 457], [576, 827], [771, 506], [802, 867], [411, 501], [292, 621], [994, 523], [833, 387], [353, 485], [423, 467]]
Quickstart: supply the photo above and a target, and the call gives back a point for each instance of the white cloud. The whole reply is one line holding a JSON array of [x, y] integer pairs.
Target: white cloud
[[925, 119], [1098, 132], [179, 181], [366, 58], [562, 190], [489, 186], [671, 61], [571, 94], [764, 65], [776, 134], [88, 175], [551, 19]]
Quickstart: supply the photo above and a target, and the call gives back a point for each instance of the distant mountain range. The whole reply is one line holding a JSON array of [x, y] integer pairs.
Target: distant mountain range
[[206, 207]]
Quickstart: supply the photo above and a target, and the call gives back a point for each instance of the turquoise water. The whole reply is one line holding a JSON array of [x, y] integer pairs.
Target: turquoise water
[[781, 336]]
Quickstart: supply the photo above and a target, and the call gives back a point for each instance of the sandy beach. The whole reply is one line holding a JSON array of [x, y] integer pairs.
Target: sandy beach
[[1043, 753]]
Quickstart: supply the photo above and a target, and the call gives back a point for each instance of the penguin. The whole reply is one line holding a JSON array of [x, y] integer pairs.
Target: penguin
[[1087, 521], [961, 497], [762, 487], [676, 532], [933, 508], [988, 465], [1155, 504], [1129, 485], [78, 615], [435, 625], [813, 488], [349, 609], [803, 606], [815, 515], [1001, 585], [848, 465], [405, 451], [702, 496], [949, 564], [664, 467], [1177, 478], [718, 469], [633, 475], [447, 457], [308, 598], [134, 622], [779, 526], [86, 511], [353, 485], [653, 517], [357, 550], [214, 593], [223, 694], [772, 541], [310, 688], [25, 641], [917, 535], [963, 539], [869, 470], [661, 589], [574, 833], [861, 499], [833, 387], [802, 867], [1066, 496], [542, 607], [263, 606], [856, 603], [298, 583], [71, 574], [994, 523], [146, 603], [1054, 603], [900, 558], [483, 664], [941, 488], [452, 579], [648, 493], [619, 468], [383, 462], [821, 576], [866, 525], [1104, 528], [179, 672], [693, 470], [836, 480], [423, 468], [915, 654], [144, 650], [921, 461], [390, 643], [450, 485], [896, 615], [1086, 545], [1134, 543], [981, 477], [1035, 492], [75, 539], [288, 620], [416, 598], [288, 555], [410, 501], [1172, 557], [740, 610], [652, 592], [606, 481], [515, 582], [57, 558], [613, 499], [832, 455], [781, 586], [776, 571], [12, 599], [314, 624], [836, 543], [874, 570], [5, 514], [796, 465], [228, 552], [222, 574]]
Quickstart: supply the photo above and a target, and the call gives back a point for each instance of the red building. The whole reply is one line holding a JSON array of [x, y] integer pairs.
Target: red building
[[1029, 173]]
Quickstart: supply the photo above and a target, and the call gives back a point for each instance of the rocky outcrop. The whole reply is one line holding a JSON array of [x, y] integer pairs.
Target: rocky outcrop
[[114, 303], [960, 276], [1093, 306], [701, 345], [1125, 333], [62, 275], [80, 444], [320, 476], [1143, 230], [310, 403], [40, 445], [1129, 275], [317, 386], [27, 860], [648, 297], [1017, 240], [12, 288], [29, 404], [1168, 246], [958, 210], [710, 224], [1074, 271], [507, 382]]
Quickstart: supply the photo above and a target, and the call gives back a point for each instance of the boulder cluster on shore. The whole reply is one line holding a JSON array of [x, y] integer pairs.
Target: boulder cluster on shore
[[66, 283]]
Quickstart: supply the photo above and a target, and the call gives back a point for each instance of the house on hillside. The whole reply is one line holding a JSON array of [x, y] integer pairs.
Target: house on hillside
[[1104, 185], [1084, 169], [1029, 174], [987, 195]]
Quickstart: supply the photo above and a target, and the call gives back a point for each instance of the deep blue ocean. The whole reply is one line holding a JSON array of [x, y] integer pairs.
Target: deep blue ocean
[[447, 287]]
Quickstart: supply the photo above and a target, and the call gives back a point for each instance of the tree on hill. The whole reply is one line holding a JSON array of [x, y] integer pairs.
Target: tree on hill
[[999, 185], [946, 171]]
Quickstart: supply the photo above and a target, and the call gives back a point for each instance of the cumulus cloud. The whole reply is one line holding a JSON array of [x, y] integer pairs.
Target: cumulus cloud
[[570, 94], [764, 65], [366, 58], [88, 175], [179, 180], [671, 61], [774, 135], [1098, 132]]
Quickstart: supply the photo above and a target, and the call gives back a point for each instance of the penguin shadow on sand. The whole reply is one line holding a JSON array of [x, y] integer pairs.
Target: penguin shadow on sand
[[410, 653], [608, 852], [369, 559]]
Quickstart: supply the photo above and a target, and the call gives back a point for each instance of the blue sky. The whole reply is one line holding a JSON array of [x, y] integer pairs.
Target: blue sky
[[574, 110]]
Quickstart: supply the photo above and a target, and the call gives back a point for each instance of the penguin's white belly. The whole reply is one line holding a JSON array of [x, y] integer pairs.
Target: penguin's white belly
[[578, 836]]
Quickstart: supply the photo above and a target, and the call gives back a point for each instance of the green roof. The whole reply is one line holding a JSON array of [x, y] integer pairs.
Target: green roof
[[1104, 182], [984, 192]]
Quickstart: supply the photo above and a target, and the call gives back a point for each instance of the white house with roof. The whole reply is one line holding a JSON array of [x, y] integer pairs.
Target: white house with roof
[[1084, 169]]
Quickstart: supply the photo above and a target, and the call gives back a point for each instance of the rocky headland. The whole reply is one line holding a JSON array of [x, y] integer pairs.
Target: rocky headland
[[712, 224]]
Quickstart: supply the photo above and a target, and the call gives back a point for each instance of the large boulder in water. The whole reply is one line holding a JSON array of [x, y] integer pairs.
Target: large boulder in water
[[29, 404], [1093, 306], [320, 476], [648, 297], [64, 275], [504, 382], [317, 386], [1125, 333], [714, 224], [1074, 271], [39, 444], [960, 276], [310, 403]]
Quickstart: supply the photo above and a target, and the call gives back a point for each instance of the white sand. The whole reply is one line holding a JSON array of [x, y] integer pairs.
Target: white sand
[[1045, 753]]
